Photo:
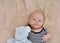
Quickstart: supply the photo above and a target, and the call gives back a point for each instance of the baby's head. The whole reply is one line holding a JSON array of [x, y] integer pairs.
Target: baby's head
[[36, 19]]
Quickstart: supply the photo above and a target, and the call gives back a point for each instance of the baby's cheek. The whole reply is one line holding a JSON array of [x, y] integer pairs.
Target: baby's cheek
[[40, 24]]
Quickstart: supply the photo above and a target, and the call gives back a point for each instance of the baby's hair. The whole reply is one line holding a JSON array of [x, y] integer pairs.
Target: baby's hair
[[39, 11]]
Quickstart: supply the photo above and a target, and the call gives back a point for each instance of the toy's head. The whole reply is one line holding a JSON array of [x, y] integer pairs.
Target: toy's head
[[22, 32]]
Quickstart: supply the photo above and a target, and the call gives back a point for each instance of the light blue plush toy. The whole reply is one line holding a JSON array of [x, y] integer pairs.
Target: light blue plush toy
[[21, 35]]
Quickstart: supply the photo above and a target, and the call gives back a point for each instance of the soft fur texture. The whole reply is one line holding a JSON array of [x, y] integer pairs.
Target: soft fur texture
[[21, 35]]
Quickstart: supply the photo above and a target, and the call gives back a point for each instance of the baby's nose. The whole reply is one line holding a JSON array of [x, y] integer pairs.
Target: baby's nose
[[36, 22]]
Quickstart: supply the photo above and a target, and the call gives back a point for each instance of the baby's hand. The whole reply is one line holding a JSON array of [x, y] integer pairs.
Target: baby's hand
[[46, 37]]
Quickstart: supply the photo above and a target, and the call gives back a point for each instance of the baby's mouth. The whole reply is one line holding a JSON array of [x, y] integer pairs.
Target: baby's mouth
[[35, 24]]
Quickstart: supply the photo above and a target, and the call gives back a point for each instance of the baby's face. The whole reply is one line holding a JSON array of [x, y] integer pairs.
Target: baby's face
[[36, 20]]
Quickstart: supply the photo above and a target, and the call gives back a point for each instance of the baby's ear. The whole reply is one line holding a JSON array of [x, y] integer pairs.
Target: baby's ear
[[28, 28]]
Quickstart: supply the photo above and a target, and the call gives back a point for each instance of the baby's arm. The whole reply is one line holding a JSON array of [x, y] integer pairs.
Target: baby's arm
[[46, 37]]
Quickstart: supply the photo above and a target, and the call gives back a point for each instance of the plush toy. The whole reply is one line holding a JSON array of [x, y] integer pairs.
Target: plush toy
[[21, 35]]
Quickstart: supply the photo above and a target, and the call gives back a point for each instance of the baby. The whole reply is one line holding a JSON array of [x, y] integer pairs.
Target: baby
[[38, 33]]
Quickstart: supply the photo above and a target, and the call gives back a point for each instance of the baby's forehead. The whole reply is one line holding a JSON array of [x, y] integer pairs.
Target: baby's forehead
[[35, 14]]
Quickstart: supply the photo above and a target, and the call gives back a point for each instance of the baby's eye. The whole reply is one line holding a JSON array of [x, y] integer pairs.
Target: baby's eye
[[33, 19], [39, 20]]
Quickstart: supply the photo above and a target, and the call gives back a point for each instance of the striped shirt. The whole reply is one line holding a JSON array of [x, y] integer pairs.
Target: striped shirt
[[36, 37]]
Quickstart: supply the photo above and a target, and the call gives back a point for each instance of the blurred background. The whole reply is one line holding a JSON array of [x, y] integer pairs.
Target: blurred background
[[15, 13]]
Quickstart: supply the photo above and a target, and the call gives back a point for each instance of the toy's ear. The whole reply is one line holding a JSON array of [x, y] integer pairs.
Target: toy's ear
[[19, 28], [28, 28]]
